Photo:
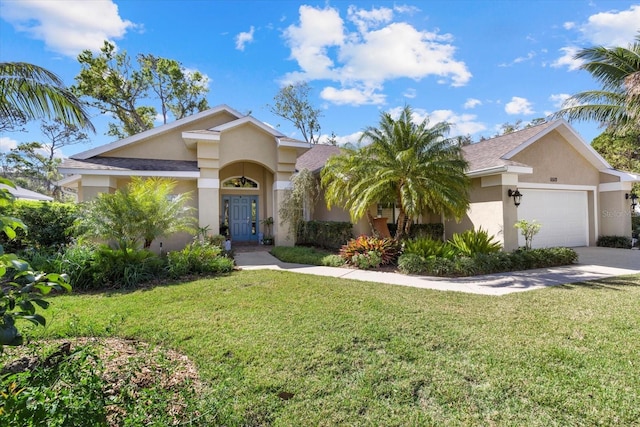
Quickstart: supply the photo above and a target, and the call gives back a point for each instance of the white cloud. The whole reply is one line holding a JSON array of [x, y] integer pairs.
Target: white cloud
[[376, 51], [343, 140], [461, 124], [567, 59], [558, 99], [243, 38], [410, 93], [352, 96], [518, 105], [7, 144], [68, 26], [613, 28], [519, 59], [471, 103], [364, 19]]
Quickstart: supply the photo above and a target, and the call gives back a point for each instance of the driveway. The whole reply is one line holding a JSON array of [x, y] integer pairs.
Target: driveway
[[594, 263]]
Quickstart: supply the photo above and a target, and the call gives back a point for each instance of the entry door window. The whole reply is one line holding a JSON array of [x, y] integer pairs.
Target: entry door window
[[243, 217]]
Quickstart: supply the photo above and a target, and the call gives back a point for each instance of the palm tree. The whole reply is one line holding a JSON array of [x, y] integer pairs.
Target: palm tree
[[30, 92], [410, 164], [138, 213], [617, 104]]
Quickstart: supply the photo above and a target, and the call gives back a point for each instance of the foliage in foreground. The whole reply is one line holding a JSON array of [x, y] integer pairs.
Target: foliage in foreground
[[289, 349], [71, 386], [22, 288]]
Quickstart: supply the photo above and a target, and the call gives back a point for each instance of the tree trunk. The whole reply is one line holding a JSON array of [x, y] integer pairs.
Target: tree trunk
[[371, 224]]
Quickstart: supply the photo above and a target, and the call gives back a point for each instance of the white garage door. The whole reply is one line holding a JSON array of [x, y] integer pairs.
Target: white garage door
[[563, 215]]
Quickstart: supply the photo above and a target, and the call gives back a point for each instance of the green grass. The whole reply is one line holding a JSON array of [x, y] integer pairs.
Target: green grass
[[300, 254], [356, 353]]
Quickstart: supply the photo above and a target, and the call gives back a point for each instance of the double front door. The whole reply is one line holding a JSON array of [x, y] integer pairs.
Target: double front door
[[242, 216]]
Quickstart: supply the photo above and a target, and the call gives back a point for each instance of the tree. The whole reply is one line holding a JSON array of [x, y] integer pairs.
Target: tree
[[116, 86], [298, 202], [292, 104], [180, 92], [29, 92], [34, 165], [30, 166], [412, 165], [617, 104], [139, 213], [621, 152]]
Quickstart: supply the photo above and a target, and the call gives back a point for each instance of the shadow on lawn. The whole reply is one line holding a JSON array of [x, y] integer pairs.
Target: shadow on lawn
[[617, 283]]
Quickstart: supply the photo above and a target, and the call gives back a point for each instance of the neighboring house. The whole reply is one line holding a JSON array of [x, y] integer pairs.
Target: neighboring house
[[238, 169], [24, 194]]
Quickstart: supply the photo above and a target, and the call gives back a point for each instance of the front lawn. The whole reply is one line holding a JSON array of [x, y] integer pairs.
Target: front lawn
[[279, 348]]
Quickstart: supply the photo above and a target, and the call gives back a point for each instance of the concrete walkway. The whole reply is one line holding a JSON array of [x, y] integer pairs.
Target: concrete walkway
[[594, 263]]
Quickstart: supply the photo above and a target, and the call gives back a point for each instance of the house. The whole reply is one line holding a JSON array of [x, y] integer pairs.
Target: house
[[238, 170], [235, 167]]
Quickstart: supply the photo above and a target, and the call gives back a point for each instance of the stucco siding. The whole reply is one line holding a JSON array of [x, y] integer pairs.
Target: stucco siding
[[554, 160], [248, 143]]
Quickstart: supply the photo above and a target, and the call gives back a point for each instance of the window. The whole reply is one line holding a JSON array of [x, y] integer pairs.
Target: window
[[236, 182]]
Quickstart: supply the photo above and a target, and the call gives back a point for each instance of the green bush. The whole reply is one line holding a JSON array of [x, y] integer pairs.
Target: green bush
[[623, 242], [324, 234], [77, 261], [363, 245], [427, 248], [198, 258], [496, 262], [125, 269], [409, 263], [367, 261], [49, 224], [434, 231], [332, 260], [473, 242]]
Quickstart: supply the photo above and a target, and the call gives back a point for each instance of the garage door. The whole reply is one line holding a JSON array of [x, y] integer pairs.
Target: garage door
[[563, 215]]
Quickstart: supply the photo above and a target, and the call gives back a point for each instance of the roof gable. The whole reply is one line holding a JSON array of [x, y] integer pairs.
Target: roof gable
[[496, 154], [133, 139]]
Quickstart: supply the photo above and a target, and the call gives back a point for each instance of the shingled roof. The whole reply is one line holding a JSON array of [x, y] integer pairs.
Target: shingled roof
[[491, 153], [128, 164], [316, 157]]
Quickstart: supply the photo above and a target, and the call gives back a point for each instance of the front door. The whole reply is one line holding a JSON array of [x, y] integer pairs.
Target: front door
[[243, 218]]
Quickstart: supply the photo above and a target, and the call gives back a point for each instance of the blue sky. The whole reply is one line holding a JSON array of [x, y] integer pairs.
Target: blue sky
[[476, 64]]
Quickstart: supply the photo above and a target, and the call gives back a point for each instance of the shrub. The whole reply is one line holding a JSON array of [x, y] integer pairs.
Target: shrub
[[386, 248], [325, 234], [198, 258], [428, 248], [77, 261], [473, 242], [125, 269], [332, 261], [495, 262], [217, 240], [433, 231], [367, 261], [409, 263], [49, 224], [614, 242], [528, 230]]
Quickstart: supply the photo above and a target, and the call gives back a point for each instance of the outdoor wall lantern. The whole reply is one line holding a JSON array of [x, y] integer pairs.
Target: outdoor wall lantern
[[517, 196], [633, 197]]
